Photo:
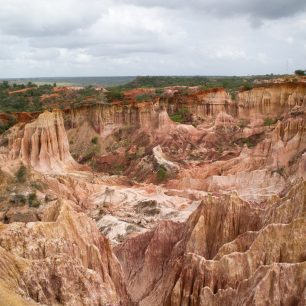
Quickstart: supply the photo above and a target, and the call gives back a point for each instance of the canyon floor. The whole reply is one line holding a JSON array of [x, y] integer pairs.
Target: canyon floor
[[194, 197]]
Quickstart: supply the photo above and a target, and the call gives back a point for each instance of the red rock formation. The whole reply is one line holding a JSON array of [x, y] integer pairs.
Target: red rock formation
[[45, 145], [227, 251], [203, 103], [244, 244], [42, 144], [270, 100], [62, 260]]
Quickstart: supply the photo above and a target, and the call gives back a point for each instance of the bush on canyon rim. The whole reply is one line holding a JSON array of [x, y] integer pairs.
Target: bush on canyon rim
[[144, 98]]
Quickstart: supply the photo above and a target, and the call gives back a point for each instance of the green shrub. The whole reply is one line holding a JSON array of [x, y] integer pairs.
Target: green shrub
[[269, 121], [143, 98], [38, 185], [161, 174], [32, 200], [247, 86], [299, 72], [115, 94], [180, 116], [21, 174], [11, 121], [94, 140], [248, 142], [87, 91], [159, 92]]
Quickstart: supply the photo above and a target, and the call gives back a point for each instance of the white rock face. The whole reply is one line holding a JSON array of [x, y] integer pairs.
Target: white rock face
[[161, 160]]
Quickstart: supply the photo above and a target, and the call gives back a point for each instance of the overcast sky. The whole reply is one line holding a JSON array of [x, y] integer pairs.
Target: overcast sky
[[151, 37]]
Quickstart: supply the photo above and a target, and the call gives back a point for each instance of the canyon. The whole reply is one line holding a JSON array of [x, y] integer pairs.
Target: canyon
[[196, 197]]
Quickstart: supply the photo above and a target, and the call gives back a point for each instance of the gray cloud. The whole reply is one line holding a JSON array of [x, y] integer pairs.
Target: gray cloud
[[262, 9], [108, 37]]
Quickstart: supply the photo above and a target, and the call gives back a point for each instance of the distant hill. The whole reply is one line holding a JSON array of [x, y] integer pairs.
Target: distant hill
[[75, 81]]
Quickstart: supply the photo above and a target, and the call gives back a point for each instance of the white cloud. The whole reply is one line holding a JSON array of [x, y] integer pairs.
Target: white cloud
[[108, 37]]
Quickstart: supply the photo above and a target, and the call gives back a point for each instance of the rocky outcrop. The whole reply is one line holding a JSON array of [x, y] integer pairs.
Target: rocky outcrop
[[227, 225], [162, 161], [227, 251], [45, 145], [105, 118], [201, 103], [41, 144], [270, 100], [61, 260]]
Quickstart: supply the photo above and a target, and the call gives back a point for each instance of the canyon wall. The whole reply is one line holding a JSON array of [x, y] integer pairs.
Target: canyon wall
[[271, 100], [217, 216], [203, 103], [228, 252]]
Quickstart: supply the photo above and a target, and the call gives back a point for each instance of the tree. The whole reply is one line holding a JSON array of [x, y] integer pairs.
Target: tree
[[299, 72]]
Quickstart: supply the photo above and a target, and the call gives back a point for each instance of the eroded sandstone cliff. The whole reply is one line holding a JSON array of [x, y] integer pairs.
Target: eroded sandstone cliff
[[209, 210], [227, 253], [61, 260]]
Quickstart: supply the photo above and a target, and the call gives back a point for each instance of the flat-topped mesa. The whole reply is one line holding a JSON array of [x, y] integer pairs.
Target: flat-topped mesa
[[44, 144], [271, 99]]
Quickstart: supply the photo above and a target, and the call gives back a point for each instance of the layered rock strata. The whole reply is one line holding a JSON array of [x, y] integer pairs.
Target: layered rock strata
[[227, 252]]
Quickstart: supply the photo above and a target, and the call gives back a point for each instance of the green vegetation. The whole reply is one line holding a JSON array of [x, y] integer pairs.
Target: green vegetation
[[95, 140], [21, 174], [91, 152], [269, 121], [38, 185], [17, 98], [180, 116], [300, 72], [161, 174], [248, 142], [36, 98], [159, 92], [280, 170], [32, 200], [10, 123], [206, 82], [115, 93], [87, 91], [247, 86], [19, 199], [144, 97], [116, 169]]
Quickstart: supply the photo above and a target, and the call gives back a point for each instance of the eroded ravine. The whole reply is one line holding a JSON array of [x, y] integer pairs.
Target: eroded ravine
[[212, 213]]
